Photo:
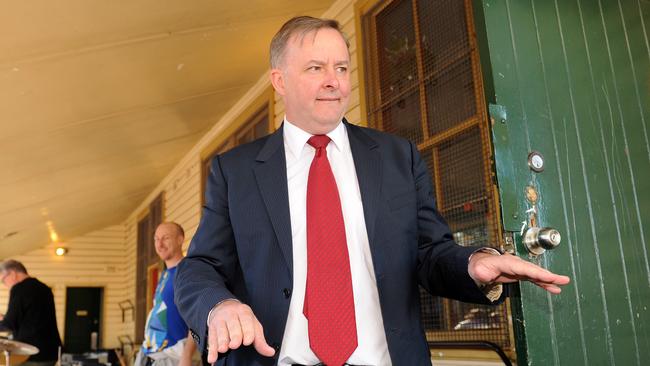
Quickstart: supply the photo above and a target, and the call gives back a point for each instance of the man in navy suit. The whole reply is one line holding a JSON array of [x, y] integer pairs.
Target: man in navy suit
[[244, 285]]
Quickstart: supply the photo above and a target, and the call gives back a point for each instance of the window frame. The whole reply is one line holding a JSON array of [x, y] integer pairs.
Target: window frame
[[146, 262], [244, 123]]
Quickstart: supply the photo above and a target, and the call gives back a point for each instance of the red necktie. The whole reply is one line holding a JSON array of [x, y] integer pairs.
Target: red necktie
[[329, 304]]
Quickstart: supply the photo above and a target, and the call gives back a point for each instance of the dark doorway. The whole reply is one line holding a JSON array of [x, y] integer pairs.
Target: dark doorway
[[82, 318]]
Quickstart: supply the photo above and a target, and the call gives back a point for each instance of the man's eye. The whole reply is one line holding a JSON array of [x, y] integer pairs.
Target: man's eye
[[314, 68], [342, 69]]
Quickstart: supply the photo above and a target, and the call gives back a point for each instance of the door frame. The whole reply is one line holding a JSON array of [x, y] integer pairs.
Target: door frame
[[102, 308]]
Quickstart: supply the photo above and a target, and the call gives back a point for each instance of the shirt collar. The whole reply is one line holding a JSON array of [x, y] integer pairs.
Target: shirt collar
[[295, 138]]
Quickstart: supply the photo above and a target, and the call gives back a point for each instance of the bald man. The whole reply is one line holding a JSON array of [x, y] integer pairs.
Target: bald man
[[166, 334]]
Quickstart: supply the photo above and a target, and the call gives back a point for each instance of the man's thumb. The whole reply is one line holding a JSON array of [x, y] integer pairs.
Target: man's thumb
[[260, 342]]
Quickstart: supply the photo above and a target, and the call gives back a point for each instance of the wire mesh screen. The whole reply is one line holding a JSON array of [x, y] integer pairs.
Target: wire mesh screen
[[423, 84], [399, 85], [450, 96]]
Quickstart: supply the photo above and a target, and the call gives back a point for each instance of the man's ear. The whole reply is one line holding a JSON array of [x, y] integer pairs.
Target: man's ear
[[277, 80]]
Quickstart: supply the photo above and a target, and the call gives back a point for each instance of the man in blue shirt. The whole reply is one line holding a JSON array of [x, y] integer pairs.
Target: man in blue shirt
[[165, 328]]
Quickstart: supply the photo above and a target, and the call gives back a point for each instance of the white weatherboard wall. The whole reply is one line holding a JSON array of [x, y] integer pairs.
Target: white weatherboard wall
[[131, 246], [97, 259], [183, 199]]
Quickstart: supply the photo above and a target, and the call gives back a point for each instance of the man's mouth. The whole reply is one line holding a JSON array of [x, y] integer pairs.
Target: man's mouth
[[328, 99]]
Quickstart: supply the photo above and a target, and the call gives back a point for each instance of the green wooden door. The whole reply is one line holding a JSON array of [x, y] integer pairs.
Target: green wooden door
[[570, 80]]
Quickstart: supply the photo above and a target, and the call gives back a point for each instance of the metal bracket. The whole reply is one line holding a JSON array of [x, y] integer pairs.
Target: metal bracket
[[498, 114], [125, 306], [508, 242]]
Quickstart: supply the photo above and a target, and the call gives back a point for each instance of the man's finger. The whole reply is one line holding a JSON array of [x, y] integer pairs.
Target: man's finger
[[524, 270], [223, 336], [260, 342], [534, 273], [549, 287], [248, 329], [234, 332], [213, 354]]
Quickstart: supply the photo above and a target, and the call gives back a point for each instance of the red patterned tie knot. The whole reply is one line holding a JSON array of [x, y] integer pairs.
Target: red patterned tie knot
[[319, 141]]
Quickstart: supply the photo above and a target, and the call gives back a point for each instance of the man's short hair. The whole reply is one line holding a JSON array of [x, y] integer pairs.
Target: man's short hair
[[178, 227], [12, 265], [301, 26]]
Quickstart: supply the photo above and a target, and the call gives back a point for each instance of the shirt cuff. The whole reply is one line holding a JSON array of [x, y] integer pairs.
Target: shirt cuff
[[214, 307], [492, 291]]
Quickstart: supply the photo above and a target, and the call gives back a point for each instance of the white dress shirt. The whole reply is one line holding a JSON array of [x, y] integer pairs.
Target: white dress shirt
[[372, 345]]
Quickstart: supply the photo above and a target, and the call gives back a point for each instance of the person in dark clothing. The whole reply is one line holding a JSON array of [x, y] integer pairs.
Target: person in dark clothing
[[30, 314]]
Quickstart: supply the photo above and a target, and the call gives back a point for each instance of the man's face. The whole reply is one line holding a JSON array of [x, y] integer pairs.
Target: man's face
[[8, 278], [168, 242], [314, 80]]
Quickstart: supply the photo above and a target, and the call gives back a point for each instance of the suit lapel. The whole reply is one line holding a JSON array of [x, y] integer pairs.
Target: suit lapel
[[271, 176], [367, 162]]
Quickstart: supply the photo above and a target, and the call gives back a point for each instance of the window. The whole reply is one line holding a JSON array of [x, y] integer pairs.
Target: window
[[423, 83], [147, 264]]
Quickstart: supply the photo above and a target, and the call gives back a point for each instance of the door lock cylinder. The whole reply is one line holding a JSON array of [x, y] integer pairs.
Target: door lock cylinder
[[538, 240]]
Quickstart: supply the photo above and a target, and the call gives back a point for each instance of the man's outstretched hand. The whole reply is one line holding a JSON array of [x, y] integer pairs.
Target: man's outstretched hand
[[489, 268], [231, 325]]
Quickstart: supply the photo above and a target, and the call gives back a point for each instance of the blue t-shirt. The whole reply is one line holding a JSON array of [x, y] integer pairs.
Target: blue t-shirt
[[164, 325]]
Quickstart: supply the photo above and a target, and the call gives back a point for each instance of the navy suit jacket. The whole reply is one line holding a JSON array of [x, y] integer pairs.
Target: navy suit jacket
[[242, 247]]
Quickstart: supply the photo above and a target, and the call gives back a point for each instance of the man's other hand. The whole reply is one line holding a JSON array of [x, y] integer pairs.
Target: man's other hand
[[488, 268], [231, 325]]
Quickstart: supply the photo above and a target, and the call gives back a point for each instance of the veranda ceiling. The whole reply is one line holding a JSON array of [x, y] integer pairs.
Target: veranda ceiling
[[100, 99]]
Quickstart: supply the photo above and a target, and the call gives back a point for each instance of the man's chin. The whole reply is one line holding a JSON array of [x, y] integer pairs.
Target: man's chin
[[318, 123], [327, 125], [328, 118]]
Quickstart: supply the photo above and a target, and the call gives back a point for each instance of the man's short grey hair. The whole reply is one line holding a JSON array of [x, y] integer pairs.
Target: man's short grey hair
[[300, 26], [12, 265]]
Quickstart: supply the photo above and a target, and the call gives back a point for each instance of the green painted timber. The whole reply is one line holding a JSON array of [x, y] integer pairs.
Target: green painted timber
[[571, 80]]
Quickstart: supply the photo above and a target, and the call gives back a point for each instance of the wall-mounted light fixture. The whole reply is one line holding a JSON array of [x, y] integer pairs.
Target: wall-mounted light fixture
[[61, 251]]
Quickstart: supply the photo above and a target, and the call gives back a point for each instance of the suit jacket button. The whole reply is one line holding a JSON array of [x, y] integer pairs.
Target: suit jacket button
[[276, 347], [287, 293], [195, 336]]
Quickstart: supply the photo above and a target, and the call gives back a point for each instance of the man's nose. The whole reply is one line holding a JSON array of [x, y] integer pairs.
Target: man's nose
[[331, 80]]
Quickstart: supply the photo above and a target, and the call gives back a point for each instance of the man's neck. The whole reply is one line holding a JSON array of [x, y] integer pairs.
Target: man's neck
[[171, 263], [21, 277], [313, 130]]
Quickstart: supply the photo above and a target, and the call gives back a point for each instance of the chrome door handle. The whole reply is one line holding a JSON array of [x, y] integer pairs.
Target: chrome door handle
[[538, 240]]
